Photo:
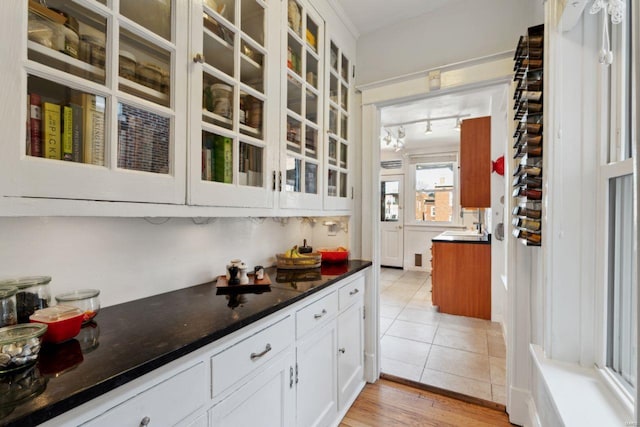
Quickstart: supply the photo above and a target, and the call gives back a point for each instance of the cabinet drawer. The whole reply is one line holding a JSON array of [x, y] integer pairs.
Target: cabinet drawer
[[164, 404], [351, 292], [316, 313], [237, 361]]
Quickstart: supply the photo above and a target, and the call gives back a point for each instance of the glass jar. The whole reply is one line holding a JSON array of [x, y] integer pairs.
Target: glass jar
[[8, 314], [84, 299], [222, 95], [32, 294], [150, 75], [127, 67], [92, 50]]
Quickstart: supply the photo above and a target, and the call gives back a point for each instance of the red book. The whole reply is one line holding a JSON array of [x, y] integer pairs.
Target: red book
[[35, 119]]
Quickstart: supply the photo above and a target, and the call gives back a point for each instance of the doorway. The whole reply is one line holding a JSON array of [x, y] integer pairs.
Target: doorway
[[391, 221]]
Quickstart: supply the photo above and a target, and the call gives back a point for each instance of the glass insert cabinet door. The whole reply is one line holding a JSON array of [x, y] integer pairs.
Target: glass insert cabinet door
[[98, 85], [302, 85], [229, 73], [338, 189]]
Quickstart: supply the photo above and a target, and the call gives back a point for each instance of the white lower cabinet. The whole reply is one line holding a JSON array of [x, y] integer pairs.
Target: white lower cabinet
[[267, 399], [350, 354], [301, 366], [165, 403], [316, 394]]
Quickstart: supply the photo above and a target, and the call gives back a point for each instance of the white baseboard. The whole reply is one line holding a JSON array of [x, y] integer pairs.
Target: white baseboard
[[522, 409]]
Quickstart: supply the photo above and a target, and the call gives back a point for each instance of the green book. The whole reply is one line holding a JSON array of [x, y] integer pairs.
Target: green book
[[222, 159]]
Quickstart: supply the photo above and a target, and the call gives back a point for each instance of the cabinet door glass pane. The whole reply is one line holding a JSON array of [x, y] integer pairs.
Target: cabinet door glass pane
[[343, 155], [253, 113], [217, 158], [344, 97], [143, 140], [311, 34], [294, 95], [294, 16], [311, 142], [343, 126], [143, 69], [333, 88], [343, 184], [312, 70], [294, 131], [333, 151], [252, 20], [65, 124], [251, 67], [294, 175], [224, 8], [78, 48], [154, 15], [312, 107], [311, 178], [333, 121], [332, 183], [345, 68], [250, 165], [217, 102], [334, 57], [294, 56], [218, 43]]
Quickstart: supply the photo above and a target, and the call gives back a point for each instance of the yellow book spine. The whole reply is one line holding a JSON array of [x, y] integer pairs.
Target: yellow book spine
[[52, 135], [67, 133]]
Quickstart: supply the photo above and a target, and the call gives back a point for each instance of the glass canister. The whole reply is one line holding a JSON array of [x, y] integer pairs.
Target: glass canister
[[32, 294], [84, 299], [8, 314]]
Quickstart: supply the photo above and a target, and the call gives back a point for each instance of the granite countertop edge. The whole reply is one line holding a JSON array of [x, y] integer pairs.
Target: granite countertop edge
[[83, 395]]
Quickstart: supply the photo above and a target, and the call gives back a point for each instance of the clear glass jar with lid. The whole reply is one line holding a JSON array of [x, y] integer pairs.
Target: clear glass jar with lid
[[33, 294], [8, 315], [85, 299]]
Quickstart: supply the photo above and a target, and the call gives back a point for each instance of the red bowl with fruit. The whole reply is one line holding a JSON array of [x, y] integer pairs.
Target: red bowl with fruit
[[340, 254]]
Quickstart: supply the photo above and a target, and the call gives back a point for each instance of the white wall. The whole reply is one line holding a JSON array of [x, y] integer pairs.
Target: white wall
[[131, 258], [461, 31]]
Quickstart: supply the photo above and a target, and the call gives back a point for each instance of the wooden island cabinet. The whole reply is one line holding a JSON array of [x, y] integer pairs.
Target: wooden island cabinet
[[461, 278]]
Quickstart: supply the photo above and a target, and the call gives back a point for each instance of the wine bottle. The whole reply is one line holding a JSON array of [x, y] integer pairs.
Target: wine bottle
[[529, 193], [532, 238], [534, 151], [534, 140], [529, 213], [529, 224], [524, 169], [533, 128]]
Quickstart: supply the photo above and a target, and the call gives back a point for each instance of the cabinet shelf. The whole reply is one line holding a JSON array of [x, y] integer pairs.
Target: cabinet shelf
[[217, 117], [139, 89], [61, 57]]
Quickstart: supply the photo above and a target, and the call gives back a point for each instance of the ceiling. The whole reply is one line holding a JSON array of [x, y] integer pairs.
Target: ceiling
[[371, 15], [467, 104]]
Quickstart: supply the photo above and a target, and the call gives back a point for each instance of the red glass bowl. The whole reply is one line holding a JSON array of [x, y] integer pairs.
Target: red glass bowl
[[63, 322]]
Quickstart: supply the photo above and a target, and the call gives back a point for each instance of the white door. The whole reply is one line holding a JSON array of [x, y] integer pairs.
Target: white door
[[391, 221], [350, 354]]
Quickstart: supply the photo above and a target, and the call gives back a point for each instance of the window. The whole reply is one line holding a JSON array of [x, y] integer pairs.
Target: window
[[434, 191], [617, 181]]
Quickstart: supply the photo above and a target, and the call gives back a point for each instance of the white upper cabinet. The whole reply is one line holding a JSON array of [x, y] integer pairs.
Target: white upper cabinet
[[338, 136], [93, 100], [234, 126], [198, 103], [302, 118]]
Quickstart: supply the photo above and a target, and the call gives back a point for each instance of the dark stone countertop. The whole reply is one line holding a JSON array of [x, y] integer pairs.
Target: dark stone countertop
[[131, 339], [473, 239]]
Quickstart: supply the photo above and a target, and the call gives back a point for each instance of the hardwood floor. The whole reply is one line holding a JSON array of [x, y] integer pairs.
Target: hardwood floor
[[390, 404]]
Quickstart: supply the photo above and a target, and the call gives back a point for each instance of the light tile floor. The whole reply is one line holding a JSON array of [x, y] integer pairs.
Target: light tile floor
[[456, 353]]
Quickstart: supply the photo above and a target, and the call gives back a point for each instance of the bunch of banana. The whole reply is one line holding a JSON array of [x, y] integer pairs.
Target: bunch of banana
[[292, 253]]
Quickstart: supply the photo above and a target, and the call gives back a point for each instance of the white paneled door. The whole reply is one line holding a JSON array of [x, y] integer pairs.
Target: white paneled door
[[391, 221]]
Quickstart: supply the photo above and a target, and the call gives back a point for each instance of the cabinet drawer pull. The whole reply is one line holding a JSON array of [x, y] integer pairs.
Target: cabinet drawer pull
[[266, 350], [342, 350], [145, 421], [317, 316], [355, 291]]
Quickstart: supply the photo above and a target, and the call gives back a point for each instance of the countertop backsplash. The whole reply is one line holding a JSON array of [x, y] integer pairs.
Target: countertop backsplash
[[132, 258]]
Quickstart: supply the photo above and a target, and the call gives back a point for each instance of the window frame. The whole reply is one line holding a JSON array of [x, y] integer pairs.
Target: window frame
[[618, 121], [410, 191]]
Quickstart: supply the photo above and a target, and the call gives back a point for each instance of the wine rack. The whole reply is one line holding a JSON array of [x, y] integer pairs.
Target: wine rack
[[528, 137]]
